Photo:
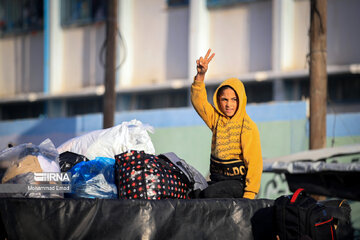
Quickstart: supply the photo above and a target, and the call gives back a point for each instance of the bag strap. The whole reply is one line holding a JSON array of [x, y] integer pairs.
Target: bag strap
[[340, 211], [342, 202], [296, 194]]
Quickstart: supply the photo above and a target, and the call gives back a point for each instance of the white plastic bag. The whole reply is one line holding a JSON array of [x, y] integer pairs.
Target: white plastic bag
[[81, 143], [109, 142]]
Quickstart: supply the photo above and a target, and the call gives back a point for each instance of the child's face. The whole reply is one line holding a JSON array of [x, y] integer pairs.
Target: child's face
[[228, 102]]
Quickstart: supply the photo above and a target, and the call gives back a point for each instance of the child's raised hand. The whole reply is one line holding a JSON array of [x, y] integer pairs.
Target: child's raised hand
[[202, 63]]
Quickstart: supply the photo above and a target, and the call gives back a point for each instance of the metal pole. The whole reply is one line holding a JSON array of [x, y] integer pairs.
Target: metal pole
[[110, 69], [318, 74]]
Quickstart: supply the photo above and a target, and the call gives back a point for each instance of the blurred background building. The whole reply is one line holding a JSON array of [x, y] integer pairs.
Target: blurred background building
[[52, 56], [52, 53]]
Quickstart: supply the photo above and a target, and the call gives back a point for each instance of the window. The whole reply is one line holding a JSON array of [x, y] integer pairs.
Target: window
[[168, 99], [344, 88], [258, 92], [221, 3], [21, 16], [85, 105], [175, 3], [22, 110], [79, 12]]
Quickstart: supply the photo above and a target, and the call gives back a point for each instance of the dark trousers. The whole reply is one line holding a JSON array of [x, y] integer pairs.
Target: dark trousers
[[222, 189]]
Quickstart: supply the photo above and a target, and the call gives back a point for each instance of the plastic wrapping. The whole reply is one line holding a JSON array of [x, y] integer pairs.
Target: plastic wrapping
[[140, 219], [18, 165], [136, 219], [12, 156], [109, 142], [314, 171], [299, 167], [320, 177], [93, 179], [332, 183], [69, 159]]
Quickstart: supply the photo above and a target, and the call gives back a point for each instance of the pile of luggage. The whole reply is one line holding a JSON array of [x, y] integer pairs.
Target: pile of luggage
[[117, 162]]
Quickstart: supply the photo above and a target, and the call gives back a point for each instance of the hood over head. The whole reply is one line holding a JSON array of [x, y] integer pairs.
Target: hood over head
[[239, 88]]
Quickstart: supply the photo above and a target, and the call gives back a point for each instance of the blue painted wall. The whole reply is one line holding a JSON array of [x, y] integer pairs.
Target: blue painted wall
[[61, 129]]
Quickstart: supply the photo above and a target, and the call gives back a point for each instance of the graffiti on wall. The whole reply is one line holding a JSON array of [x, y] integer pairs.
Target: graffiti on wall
[[275, 186]]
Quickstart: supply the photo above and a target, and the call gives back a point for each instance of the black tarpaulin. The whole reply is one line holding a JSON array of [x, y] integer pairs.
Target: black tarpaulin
[[319, 172], [331, 183], [136, 219]]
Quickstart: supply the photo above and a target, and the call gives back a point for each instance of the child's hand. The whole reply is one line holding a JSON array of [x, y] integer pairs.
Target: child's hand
[[202, 64]]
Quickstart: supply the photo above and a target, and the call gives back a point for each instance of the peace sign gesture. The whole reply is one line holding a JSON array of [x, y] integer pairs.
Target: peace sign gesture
[[202, 65]]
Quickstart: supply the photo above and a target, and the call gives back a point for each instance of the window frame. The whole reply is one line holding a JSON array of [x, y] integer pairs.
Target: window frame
[[13, 16], [69, 8], [225, 3], [177, 3]]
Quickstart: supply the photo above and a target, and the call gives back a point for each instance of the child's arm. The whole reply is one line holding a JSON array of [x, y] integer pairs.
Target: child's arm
[[198, 91], [253, 160]]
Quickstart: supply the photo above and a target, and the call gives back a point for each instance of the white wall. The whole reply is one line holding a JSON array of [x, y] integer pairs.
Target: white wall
[[81, 66], [343, 27], [241, 38], [21, 64], [160, 42], [301, 33], [343, 32]]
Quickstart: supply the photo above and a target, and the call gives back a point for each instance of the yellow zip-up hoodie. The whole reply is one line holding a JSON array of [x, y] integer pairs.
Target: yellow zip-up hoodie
[[235, 138]]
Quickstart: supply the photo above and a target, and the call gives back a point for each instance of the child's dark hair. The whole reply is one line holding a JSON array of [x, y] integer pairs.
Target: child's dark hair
[[223, 88]]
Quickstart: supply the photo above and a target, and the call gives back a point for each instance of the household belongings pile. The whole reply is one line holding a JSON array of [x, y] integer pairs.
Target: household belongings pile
[[18, 165], [90, 158]]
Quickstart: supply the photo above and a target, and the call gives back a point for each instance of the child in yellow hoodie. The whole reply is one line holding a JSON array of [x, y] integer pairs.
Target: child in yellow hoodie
[[236, 162]]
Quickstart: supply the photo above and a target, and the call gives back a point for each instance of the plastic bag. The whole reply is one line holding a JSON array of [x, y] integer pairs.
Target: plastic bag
[[49, 161], [93, 179], [18, 165], [109, 142], [69, 160]]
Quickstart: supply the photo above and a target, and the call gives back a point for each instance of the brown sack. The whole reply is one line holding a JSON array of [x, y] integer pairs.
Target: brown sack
[[27, 164]]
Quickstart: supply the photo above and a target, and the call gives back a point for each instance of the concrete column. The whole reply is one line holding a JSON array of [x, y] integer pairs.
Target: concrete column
[[46, 46], [283, 39], [198, 34], [54, 58], [56, 48], [125, 47]]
